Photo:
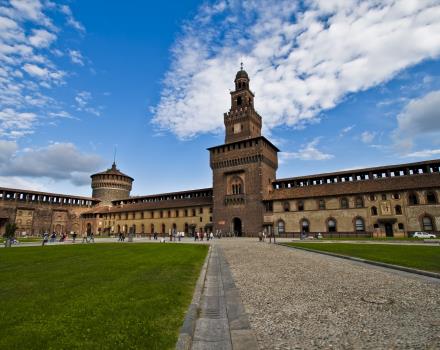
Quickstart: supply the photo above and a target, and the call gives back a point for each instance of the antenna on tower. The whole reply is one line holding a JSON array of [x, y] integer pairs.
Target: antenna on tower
[[114, 155], [241, 65]]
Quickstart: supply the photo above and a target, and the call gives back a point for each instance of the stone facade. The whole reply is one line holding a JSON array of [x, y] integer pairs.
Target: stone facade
[[36, 212], [246, 197]]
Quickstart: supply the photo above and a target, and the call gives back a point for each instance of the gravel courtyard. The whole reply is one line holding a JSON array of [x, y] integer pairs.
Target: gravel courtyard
[[298, 300]]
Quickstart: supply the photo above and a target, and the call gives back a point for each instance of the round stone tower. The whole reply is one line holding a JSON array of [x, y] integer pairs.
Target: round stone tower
[[111, 185]]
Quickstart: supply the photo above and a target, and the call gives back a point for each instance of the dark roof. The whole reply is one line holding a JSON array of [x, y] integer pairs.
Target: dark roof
[[244, 140], [241, 74], [360, 170], [399, 183], [6, 189], [163, 194], [112, 171], [165, 204]]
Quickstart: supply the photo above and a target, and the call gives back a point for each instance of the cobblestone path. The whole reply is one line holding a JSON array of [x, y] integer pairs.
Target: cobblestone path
[[296, 300]]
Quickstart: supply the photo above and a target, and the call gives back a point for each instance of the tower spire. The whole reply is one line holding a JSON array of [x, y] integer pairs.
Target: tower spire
[[241, 65], [114, 158]]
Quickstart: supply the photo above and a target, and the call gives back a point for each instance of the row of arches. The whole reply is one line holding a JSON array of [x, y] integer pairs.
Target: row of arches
[[427, 223], [413, 199], [153, 228], [330, 223], [430, 198], [321, 204]]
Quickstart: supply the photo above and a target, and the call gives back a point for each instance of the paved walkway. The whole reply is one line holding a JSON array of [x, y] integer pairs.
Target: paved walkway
[[222, 323], [302, 300]]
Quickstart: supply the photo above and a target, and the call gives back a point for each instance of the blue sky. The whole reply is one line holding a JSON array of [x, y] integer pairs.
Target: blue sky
[[339, 85]]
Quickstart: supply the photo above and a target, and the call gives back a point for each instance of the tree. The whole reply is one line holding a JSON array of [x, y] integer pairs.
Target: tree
[[9, 233]]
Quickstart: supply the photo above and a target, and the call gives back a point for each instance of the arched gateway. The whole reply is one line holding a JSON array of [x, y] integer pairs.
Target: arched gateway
[[237, 227]]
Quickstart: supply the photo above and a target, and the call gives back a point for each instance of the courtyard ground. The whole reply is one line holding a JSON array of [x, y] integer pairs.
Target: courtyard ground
[[103, 296], [302, 300], [415, 256]]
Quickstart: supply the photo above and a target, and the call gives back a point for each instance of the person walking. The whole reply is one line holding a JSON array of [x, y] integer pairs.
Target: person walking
[[211, 235], [73, 237], [91, 238], [45, 238], [84, 237]]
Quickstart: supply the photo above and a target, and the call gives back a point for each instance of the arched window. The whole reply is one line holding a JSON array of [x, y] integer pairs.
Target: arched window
[[359, 202], [281, 226], [412, 199], [372, 197], [321, 204], [427, 224], [344, 203], [331, 225], [305, 226], [398, 210], [142, 228], [359, 225], [300, 205], [239, 101], [431, 198], [373, 211], [286, 206], [401, 226], [237, 185], [152, 228]]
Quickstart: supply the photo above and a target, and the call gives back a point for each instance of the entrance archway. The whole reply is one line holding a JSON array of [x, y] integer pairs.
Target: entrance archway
[[389, 229], [237, 227], [89, 229]]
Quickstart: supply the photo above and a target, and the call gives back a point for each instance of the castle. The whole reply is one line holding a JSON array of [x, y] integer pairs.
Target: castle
[[246, 197]]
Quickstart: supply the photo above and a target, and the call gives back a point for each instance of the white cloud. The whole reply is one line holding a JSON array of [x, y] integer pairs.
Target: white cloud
[[302, 57], [427, 153], [83, 99], [420, 117], [7, 149], [71, 21], [28, 43], [16, 124], [76, 57], [368, 136], [57, 161], [41, 38], [346, 130], [20, 183], [307, 152]]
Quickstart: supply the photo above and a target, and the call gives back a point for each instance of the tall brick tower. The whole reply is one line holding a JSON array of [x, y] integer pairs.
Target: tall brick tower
[[111, 185], [244, 167]]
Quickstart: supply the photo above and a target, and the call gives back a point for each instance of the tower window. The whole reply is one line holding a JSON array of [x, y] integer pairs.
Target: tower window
[[431, 198], [344, 203], [427, 224], [239, 101]]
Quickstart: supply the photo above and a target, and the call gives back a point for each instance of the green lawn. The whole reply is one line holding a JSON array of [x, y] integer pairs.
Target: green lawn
[[103, 296], [419, 257]]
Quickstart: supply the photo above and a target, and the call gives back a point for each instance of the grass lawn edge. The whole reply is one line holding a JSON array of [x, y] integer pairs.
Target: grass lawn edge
[[366, 261]]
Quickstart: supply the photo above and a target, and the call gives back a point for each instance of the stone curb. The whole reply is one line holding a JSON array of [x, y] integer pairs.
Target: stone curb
[[370, 262], [186, 333], [242, 335]]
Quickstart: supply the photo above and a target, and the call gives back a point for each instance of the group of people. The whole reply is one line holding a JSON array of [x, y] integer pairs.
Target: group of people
[[201, 235], [86, 237]]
